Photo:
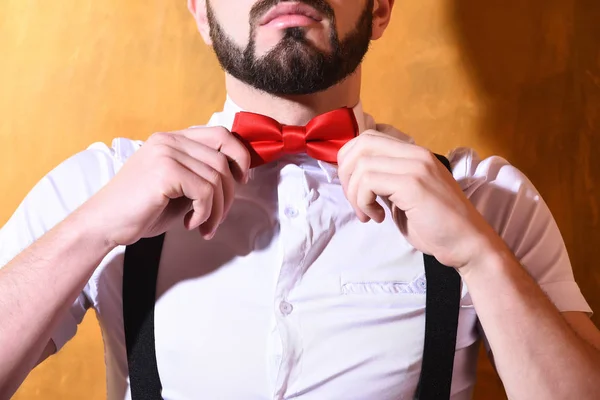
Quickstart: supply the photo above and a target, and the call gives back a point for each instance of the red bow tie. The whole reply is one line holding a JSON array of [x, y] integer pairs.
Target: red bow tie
[[322, 138]]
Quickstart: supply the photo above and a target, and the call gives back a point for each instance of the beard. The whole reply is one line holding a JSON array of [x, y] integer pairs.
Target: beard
[[294, 66]]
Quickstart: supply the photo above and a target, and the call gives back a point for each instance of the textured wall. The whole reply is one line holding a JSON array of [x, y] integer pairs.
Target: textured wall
[[516, 78]]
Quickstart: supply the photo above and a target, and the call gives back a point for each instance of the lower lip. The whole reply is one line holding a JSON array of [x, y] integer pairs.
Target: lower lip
[[291, 21]]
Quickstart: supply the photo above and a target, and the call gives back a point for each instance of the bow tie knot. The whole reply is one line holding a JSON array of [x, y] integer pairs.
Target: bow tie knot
[[321, 138], [294, 139]]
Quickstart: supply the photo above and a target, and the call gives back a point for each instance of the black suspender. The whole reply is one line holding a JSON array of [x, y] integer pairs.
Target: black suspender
[[140, 273], [442, 305]]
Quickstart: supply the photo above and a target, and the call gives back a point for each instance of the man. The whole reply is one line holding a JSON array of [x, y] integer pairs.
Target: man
[[307, 278]]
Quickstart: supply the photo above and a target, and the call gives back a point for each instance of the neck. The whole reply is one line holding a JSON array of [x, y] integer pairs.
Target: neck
[[295, 110]]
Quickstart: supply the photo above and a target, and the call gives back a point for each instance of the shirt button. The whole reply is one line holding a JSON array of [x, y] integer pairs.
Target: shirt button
[[291, 212], [285, 308]]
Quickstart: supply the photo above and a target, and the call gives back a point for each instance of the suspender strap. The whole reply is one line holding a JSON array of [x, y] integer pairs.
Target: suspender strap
[[140, 273], [442, 305]]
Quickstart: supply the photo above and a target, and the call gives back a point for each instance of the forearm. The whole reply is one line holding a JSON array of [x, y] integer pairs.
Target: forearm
[[537, 354], [36, 290]]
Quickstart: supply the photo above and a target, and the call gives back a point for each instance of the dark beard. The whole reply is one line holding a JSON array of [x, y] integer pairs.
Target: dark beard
[[294, 66]]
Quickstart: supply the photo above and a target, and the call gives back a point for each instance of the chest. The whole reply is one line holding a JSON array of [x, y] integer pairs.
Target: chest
[[294, 296]]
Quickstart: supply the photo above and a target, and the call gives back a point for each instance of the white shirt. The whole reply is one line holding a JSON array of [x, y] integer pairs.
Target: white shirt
[[294, 297]]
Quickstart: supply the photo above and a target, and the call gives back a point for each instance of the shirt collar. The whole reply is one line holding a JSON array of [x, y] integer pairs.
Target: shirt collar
[[225, 119]]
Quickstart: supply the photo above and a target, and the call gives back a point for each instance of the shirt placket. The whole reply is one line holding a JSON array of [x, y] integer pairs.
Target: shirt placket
[[286, 341]]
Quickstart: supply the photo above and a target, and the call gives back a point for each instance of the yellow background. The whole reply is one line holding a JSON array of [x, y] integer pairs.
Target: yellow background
[[516, 78]]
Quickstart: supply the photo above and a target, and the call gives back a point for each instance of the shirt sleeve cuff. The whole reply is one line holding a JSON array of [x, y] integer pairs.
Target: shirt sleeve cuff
[[67, 327], [566, 296], [64, 332]]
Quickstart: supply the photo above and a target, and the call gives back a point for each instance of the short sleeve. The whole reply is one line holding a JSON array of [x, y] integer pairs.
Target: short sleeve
[[51, 200], [514, 208]]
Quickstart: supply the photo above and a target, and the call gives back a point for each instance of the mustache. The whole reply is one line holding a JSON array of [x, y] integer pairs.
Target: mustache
[[263, 6]]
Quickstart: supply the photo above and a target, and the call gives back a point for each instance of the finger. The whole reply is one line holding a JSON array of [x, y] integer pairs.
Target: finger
[[395, 165], [366, 201], [415, 178], [390, 133], [341, 155], [373, 143], [176, 210], [405, 191], [178, 181], [387, 164], [345, 171], [213, 159], [365, 145], [402, 138], [362, 198], [366, 136], [401, 220], [225, 142], [214, 177]]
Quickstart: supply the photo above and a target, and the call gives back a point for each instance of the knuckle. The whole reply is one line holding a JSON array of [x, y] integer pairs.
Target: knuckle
[[162, 159], [205, 201], [166, 170], [362, 166], [362, 138], [424, 168], [164, 150], [155, 137], [222, 162], [215, 178], [416, 182], [245, 159], [361, 203], [208, 190], [161, 144], [161, 138], [368, 176], [363, 200], [425, 155], [202, 207], [342, 171], [218, 133], [221, 131]]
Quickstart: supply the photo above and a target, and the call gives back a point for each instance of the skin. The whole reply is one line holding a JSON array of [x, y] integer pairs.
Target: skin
[[190, 175]]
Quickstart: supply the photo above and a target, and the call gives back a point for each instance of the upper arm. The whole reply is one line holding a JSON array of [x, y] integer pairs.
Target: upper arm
[[54, 197], [511, 204], [514, 208], [51, 200]]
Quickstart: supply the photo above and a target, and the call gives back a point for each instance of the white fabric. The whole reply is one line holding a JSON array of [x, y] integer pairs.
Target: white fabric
[[294, 297]]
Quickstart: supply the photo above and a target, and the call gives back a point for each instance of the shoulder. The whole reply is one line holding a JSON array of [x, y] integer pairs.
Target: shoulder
[[502, 194], [81, 175], [500, 191], [473, 172], [512, 205], [61, 191]]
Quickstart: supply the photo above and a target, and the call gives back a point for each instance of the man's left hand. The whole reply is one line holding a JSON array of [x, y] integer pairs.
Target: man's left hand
[[434, 214]]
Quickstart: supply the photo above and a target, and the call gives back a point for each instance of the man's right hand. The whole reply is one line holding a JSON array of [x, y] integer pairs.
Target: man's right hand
[[188, 174]]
